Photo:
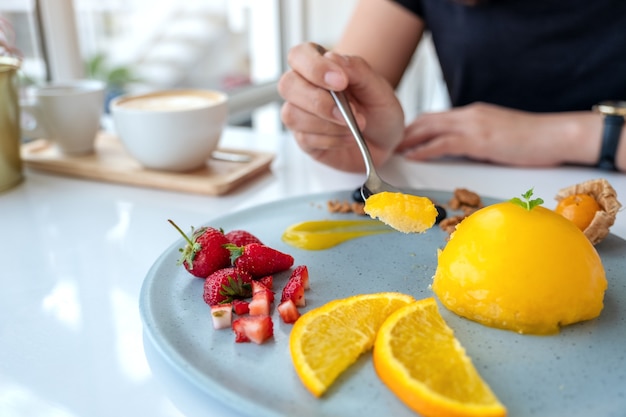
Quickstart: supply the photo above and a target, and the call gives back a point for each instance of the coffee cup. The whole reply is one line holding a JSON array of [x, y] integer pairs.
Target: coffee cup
[[67, 114], [171, 130]]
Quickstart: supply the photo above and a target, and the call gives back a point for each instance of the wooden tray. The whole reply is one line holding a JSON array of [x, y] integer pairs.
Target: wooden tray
[[110, 162]]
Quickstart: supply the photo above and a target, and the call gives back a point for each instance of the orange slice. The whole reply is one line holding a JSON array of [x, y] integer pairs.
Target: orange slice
[[417, 356], [325, 341], [404, 212]]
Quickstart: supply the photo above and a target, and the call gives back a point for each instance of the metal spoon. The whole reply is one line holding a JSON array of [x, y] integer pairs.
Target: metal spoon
[[373, 183]]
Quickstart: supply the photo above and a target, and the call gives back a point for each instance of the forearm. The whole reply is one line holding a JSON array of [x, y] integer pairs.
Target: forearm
[[582, 139], [507, 136], [389, 48]]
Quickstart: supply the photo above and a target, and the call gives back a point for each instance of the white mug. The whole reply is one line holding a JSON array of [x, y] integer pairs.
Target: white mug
[[172, 130], [67, 114]]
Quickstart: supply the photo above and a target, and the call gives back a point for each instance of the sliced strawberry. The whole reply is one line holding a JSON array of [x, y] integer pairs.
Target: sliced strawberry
[[259, 260], [259, 287], [240, 307], [268, 281], [222, 316], [205, 252], [294, 291], [241, 237], [226, 285], [303, 271], [260, 305], [239, 327], [288, 311], [255, 329], [262, 299]]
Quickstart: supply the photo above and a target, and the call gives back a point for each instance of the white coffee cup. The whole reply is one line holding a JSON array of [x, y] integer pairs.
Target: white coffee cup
[[67, 114], [172, 130]]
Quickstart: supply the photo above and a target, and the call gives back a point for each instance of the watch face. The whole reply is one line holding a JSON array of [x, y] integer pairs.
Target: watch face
[[611, 107]]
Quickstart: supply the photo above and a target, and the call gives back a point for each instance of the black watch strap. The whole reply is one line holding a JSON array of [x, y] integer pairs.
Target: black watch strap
[[610, 140]]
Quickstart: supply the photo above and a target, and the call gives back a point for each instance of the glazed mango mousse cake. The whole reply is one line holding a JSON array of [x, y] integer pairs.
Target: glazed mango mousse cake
[[520, 266]]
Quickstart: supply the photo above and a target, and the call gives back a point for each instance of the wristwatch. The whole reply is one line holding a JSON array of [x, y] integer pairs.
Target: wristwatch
[[614, 113]]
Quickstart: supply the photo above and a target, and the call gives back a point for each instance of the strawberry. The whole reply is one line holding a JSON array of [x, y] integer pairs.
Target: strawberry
[[303, 272], [288, 311], [205, 252], [255, 329], [259, 260], [260, 304], [240, 307], [241, 237], [294, 290], [222, 315], [225, 285], [259, 287], [268, 281], [262, 299]]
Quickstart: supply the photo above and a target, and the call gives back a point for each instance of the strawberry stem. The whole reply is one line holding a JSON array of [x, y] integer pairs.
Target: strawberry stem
[[192, 247], [235, 251], [181, 232]]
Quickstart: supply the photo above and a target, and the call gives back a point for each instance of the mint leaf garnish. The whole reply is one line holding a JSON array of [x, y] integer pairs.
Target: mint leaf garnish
[[526, 202]]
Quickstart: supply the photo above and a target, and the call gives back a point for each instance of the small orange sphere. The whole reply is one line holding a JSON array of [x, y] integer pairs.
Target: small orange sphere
[[579, 209]]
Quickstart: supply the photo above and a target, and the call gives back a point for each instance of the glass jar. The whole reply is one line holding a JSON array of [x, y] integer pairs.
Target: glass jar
[[10, 138]]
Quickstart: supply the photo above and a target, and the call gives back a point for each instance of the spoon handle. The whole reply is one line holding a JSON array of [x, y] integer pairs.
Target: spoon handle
[[346, 111], [344, 107]]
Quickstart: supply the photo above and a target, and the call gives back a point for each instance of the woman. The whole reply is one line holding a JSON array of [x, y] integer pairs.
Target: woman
[[522, 76]]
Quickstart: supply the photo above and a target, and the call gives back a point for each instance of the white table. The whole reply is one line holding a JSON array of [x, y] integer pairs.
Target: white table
[[74, 254]]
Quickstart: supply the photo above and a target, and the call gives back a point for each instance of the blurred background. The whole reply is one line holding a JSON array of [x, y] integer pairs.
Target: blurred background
[[237, 46]]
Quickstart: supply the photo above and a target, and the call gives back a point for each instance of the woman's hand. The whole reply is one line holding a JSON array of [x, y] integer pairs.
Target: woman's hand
[[501, 135], [318, 126]]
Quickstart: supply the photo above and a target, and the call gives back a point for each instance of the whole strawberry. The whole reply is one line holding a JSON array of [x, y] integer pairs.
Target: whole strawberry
[[259, 260], [226, 285], [205, 252], [241, 237]]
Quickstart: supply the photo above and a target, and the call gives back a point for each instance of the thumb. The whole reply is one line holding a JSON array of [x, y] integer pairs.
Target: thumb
[[364, 84]]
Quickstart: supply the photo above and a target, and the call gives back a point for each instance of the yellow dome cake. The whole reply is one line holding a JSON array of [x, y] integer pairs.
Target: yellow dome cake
[[517, 266]]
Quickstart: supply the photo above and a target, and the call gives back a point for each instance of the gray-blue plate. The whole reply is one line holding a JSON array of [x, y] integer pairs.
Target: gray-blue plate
[[578, 372]]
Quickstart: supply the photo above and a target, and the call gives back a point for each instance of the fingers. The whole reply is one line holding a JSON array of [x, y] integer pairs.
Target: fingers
[[306, 60], [479, 131], [427, 127], [305, 87], [444, 145], [311, 143], [300, 93], [299, 119], [308, 105], [311, 114], [433, 135]]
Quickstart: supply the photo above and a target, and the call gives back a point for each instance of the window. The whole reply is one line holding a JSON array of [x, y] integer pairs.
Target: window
[[238, 46]]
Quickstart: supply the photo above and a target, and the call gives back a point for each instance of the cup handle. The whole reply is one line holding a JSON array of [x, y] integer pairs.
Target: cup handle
[[30, 122]]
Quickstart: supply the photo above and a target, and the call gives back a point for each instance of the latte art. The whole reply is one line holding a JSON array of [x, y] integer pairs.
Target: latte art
[[169, 102]]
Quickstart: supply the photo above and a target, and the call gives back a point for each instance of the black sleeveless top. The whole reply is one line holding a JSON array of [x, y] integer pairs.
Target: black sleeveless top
[[534, 55]]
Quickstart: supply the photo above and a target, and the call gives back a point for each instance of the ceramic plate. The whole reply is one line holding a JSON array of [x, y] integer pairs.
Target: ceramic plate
[[579, 372]]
